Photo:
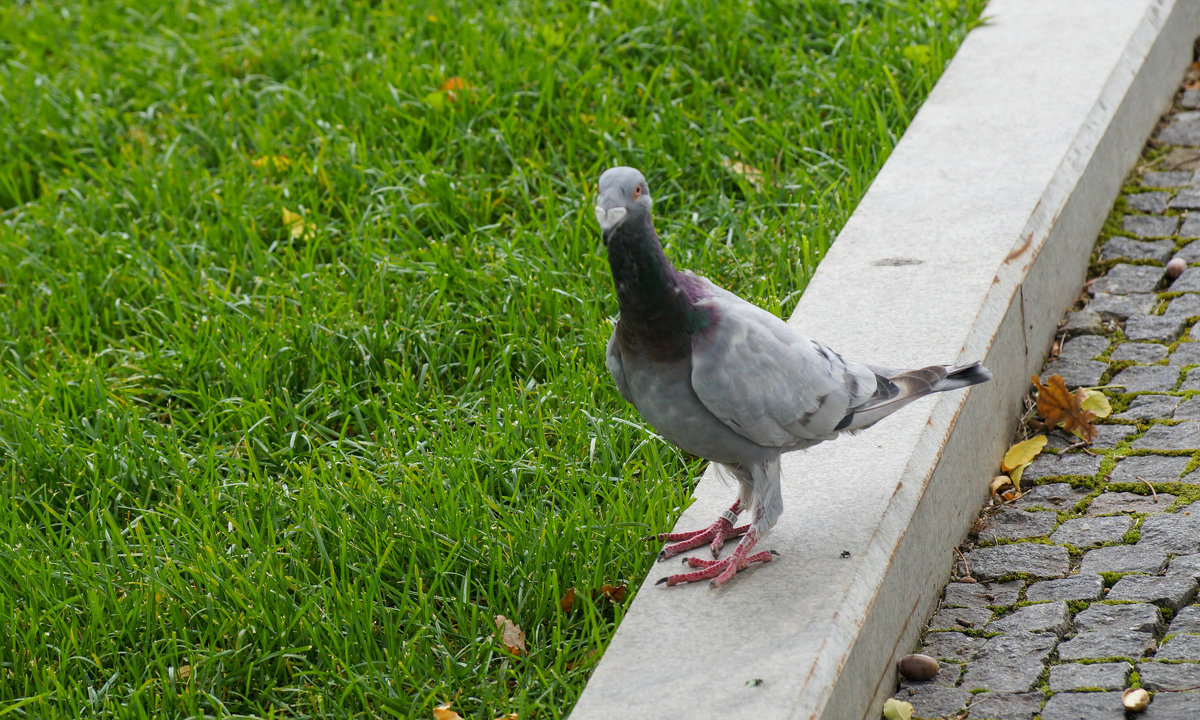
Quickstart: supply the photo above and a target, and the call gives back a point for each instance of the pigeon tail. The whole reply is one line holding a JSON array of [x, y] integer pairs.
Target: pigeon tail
[[895, 389]]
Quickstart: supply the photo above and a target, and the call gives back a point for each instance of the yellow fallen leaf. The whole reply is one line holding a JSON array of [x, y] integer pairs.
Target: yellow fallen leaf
[[294, 222], [1016, 474], [894, 709], [998, 482], [1097, 403], [443, 712], [1023, 452], [511, 635]]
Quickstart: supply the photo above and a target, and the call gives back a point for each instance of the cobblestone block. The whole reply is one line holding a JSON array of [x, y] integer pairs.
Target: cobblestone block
[[1119, 307], [1186, 353], [1187, 199], [1158, 676], [1160, 328], [1051, 496], [1172, 706], [1151, 226], [1125, 502], [1175, 178], [1124, 559], [1047, 465], [1149, 407], [1084, 706], [1189, 281], [1108, 436], [1089, 531], [1140, 617], [1180, 647], [952, 646], [1185, 306], [1152, 468], [1183, 129], [1186, 620], [1106, 644], [960, 618], [1138, 352], [1128, 249], [1190, 227], [1084, 347], [1082, 586], [1077, 373], [1174, 591], [1191, 380], [1041, 561], [1188, 409], [1185, 565], [1190, 99], [934, 701], [1011, 524], [1082, 322], [1148, 378], [1184, 436], [1006, 706], [1176, 533], [1075, 676], [1010, 663], [1124, 279], [981, 594], [1149, 202], [1042, 617]]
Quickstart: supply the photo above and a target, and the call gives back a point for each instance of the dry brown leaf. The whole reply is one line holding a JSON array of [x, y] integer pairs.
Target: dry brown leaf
[[567, 601], [443, 712], [511, 635], [510, 716], [1059, 406], [998, 482], [615, 593], [452, 85], [748, 172], [183, 672]]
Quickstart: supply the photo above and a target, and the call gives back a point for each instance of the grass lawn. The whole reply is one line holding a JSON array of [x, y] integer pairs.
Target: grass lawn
[[302, 317]]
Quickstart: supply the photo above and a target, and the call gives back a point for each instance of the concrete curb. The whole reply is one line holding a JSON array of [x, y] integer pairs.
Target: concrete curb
[[971, 242]]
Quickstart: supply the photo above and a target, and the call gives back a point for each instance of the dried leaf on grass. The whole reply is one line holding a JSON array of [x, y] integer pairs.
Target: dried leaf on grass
[[511, 635], [567, 601], [747, 172], [1059, 406], [294, 222], [443, 712], [616, 593]]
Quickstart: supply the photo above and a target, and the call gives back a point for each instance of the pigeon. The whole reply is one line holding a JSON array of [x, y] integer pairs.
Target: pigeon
[[730, 382]]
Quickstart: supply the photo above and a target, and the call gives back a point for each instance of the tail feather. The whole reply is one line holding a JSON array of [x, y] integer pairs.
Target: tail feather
[[895, 389]]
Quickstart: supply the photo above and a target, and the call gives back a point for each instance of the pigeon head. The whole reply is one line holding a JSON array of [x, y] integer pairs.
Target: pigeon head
[[623, 195]]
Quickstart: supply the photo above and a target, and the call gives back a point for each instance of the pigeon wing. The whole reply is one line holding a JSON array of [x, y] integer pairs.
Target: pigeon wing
[[768, 382]]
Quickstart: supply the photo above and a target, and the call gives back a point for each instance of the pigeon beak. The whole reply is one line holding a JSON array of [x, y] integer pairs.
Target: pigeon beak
[[608, 218]]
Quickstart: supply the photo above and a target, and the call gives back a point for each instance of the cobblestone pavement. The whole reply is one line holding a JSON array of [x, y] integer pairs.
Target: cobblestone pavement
[[1087, 584]]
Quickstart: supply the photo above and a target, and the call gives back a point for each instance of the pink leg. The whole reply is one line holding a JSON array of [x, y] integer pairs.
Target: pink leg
[[720, 571], [721, 530]]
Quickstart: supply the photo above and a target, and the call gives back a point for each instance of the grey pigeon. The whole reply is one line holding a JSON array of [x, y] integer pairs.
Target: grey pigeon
[[728, 381]]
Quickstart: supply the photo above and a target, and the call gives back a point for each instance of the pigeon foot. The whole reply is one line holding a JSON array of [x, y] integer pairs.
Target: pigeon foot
[[715, 535], [719, 572]]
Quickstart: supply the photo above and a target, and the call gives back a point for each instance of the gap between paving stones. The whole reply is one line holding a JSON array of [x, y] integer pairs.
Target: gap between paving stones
[[1087, 584]]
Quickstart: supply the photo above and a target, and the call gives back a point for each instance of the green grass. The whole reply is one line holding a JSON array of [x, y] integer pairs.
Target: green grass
[[255, 472]]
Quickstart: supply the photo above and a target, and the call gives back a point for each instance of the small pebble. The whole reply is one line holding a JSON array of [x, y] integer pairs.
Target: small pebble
[[918, 667], [1175, 268]]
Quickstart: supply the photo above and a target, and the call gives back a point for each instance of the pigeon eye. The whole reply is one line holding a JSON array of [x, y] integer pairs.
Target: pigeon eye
[[637, 191]]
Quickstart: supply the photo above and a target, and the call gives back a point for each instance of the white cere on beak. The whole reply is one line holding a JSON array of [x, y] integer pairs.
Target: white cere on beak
[[610, 217]]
